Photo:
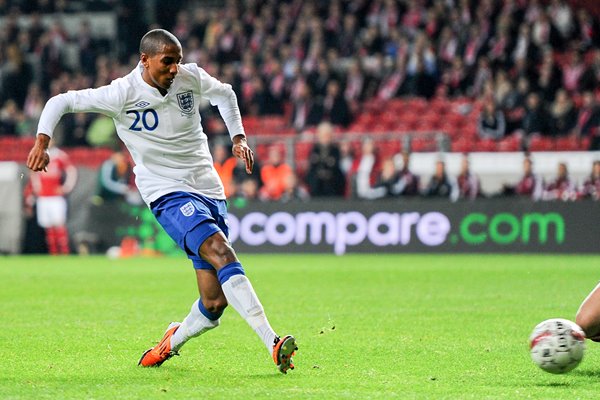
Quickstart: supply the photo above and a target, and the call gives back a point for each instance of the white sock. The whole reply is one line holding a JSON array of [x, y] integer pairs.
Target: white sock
[[195, 324], [241, 296]]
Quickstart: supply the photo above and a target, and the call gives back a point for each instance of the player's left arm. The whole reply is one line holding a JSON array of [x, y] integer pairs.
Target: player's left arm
[[242, 150], [222, 95]]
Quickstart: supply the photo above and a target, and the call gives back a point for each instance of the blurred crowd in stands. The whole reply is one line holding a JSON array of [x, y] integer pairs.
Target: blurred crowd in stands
[[532, 66], [335, 171]]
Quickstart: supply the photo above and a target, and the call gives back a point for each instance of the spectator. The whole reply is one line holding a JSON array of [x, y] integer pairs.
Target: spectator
[[562, 112], [115, 179], [294, 190], [305, 111], [408, 182], [561, 188], [590, 80], [393, 83], [242, 187], [588, 120], [491, 124], [275, 89], [74, 129], [17, 75], [335, 107], [542, 31], [468, 183], [572, 72], [347, 157], [530, 185], [514, 103], [247, 189], [8, 118], [318, 80], [441, 185], [34, 103], [502, 87], [367, 172], [587, 29], [387, 181], [548, 78], [455, 79], [562, 18], [536, 119], [523, 48], [87, 48], [324, 175], [275, 175], [591, 187], [483, 75], [355, 84], [224, 163], [51, 52]]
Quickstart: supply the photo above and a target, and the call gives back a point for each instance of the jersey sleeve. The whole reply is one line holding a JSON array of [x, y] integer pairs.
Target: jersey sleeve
[[222, 95], [107, 100]]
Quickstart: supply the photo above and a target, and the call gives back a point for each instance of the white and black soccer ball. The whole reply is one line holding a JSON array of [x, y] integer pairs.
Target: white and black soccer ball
[[557, 345]]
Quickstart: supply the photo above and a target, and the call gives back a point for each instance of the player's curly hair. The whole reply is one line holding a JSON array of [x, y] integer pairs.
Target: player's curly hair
[[154, 41]]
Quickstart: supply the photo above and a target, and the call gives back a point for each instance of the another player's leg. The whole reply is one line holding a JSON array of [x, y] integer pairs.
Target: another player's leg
[[241, 296], [51, 240], [588, 316], [46, 212], [203, 316], [62, 239]]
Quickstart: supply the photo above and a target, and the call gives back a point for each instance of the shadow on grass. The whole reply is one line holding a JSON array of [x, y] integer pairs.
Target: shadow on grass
[[555, 384], [591, 373]]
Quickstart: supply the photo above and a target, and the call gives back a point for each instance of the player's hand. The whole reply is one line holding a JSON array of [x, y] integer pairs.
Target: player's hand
[[38, 157], [242, 150]]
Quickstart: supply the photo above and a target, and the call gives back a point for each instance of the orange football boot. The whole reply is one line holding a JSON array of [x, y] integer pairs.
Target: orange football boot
[[283, 351], [160, 353]]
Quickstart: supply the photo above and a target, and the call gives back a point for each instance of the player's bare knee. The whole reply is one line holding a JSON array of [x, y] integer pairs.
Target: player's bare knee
[[216, 305], [218, 252]]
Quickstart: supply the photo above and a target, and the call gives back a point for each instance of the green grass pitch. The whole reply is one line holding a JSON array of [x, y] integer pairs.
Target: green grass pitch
[[368, 327]]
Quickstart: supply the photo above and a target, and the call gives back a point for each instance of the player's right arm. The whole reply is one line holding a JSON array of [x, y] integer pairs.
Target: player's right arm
[[38, 157], [106, 100]]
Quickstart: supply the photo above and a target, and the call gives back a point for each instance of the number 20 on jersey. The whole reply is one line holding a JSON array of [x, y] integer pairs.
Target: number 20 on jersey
[[147, 118]]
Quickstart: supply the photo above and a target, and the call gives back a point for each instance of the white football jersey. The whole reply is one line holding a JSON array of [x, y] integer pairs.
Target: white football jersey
[[163, 133]]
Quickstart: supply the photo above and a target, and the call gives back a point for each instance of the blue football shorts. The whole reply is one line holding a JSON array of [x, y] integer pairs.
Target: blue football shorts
[[190, 219]]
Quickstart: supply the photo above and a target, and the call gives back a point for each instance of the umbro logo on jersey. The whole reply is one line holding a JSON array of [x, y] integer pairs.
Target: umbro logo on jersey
[[186, 101], [187, 209], [142, 104]]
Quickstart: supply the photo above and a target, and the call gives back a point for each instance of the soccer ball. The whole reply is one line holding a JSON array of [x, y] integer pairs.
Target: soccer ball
[[557, 345]]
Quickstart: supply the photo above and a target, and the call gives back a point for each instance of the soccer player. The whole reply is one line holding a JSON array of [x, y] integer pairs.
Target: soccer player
[[155, 110], [49, 190], [588, 315]]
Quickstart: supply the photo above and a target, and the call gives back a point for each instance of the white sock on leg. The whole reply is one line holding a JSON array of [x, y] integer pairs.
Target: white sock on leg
[[241, 296], [195, 324]]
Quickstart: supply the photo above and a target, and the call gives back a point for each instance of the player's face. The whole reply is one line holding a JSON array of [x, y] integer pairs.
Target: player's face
[[161, 68]]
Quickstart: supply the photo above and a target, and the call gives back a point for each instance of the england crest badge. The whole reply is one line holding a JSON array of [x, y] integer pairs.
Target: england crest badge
[[186, 102], [187, 209]]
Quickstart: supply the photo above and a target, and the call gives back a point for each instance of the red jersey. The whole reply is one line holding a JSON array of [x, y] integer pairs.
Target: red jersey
[[58, 180]]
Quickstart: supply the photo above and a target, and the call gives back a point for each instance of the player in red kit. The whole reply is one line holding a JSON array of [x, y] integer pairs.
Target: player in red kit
[[48, 191]]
